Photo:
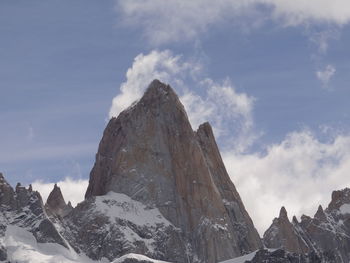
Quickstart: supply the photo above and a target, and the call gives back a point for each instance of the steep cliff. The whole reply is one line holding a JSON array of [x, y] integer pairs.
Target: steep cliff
[[151, 154]]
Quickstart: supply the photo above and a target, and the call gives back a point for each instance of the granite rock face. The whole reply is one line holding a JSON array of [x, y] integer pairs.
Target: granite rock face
[[282, 234], [56, 205], [327, 233], [24, 208], [151, 154]]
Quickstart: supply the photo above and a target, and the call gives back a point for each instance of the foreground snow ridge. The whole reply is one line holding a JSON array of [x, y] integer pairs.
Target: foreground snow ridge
[[22, 247], [241, 259], [137, 257]]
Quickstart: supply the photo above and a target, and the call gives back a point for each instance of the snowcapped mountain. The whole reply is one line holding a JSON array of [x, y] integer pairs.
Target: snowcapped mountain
[[159, 192]]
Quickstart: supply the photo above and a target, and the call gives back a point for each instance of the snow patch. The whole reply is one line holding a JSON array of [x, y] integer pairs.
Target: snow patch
[[117, 205], [137, 257], [22, 247], [241, 259], [345, 209]]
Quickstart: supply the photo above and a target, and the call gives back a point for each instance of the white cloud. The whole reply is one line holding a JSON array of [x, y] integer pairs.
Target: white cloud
[[162, 65], [228, 111], [300, 173], [72, 189], [162, 26], [326, 75], [322, 38]]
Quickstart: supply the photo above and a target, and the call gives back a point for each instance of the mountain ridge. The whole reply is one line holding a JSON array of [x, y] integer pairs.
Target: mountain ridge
[[159, 192]]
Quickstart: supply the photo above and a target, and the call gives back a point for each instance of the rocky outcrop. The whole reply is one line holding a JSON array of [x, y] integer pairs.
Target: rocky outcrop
[[282, 234], [327, 233], [56, 205], [24, 208], [113, 225], [151, 154]]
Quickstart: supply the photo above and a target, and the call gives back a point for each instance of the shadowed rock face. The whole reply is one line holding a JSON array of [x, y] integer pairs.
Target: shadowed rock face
[[282, 234], [151, 154], [55, 204], [327, 233]]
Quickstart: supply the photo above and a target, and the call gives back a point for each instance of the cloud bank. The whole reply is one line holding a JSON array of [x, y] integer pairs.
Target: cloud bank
[[160, 25], [300, 173]]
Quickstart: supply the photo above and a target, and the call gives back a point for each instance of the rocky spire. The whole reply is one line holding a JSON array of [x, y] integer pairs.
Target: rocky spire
[[56, 204], [283, 214], [320, 214], [295, 220], [339, 198], [151, 154], [282, 234], [7, 195]]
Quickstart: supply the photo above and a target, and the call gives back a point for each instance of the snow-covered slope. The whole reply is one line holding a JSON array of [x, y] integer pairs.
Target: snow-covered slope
[[114, 225], [22, 247], [241, 259], [128, 258]]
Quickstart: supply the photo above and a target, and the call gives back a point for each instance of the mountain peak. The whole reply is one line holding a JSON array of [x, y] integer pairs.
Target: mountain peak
[[55, 203], [339, 198], [159, 94], [151, 154], [283, 213]]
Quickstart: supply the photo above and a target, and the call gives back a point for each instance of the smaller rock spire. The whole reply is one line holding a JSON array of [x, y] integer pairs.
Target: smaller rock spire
[[320, 215], [55, 203], [295, 220], [283, 213]]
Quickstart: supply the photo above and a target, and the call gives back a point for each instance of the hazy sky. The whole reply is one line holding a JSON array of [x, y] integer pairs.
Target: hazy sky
[[271, 76]]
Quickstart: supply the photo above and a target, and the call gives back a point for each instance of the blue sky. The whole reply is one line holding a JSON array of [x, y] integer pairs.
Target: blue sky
[[283, 68]]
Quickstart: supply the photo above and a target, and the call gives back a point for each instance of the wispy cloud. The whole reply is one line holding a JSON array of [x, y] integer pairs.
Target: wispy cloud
[[229, 111], [323, 37], [326, 75], [160, 25]]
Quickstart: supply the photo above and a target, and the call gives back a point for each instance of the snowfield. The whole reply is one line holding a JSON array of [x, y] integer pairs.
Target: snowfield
[[345, 209], [241, 259], [22, 247]]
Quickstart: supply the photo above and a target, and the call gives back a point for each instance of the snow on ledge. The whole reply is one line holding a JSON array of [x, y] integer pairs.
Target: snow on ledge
[[241, 259], [345, 209], [138, 257], [117, 205]]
